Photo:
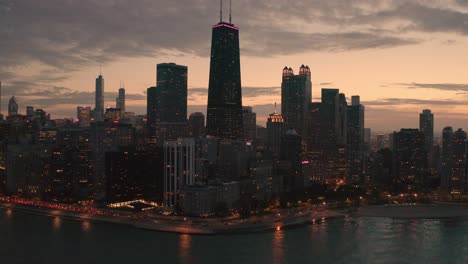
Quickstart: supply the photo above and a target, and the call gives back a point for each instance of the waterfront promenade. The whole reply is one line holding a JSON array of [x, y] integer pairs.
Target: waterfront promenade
[[184, 225]]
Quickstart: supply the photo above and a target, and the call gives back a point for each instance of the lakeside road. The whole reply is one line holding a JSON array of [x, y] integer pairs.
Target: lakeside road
[[209, 227], [414, 211]]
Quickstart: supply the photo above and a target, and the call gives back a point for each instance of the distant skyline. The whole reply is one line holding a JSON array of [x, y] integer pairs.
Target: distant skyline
[[400, 56]]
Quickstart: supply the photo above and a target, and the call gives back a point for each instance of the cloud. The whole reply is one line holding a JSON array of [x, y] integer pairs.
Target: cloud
[[437, 86], [412, 101], [67, 35]]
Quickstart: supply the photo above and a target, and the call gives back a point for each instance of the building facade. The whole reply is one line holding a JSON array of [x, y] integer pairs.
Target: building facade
[[179, 168]]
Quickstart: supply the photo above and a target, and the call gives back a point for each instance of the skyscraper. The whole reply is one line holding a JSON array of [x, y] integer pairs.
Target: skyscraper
[[410, 159], [12, 107], [446, 157], [355, 135], [172, 92], [296, 95], [99, 109], [120, 100], [457, 178], [224, 113], [426, 126]]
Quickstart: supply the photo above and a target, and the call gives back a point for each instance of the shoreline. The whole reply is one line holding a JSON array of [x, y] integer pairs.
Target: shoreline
[[185, 228]]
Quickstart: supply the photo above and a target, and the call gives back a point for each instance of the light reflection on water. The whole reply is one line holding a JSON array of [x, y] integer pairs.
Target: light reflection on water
[[278, 246], [185, 251], [86, 226], [56, 223], [8, 213]]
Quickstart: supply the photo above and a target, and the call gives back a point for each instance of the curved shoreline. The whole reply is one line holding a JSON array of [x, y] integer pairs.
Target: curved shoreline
[[185, 228]]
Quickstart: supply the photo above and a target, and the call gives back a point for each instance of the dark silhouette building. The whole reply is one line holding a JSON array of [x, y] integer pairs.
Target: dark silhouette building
[[12, 107], [152, 105], [134, 174], [355, 142], [120, 100], [291, 151], [446, 157], [457, 179], [410, 159], [296, 95], [99, 108], [426, 126], [224, 113], [275, 132], [197, 125], [249, 123], [172, 93]]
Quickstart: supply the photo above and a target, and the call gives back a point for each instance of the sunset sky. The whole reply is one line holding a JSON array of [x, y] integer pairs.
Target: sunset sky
[[399, 56]]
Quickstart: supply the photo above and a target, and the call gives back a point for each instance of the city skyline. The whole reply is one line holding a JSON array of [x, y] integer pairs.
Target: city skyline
[[379, 59]]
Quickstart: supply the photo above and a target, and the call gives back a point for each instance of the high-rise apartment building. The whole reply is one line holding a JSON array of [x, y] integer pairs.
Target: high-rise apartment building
[[457, 179], [179, 168], [410, 159], [446, 157]]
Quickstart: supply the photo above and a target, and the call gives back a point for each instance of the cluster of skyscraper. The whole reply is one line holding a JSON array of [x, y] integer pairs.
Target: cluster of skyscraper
[[113, 156]]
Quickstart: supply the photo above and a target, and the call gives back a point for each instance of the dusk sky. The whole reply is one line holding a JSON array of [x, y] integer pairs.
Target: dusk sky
[[400, 56]]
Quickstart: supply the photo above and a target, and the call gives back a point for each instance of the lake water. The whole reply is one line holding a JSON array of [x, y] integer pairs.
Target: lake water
[[27, 238]]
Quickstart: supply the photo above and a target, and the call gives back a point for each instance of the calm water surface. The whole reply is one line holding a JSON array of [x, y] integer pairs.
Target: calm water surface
[[26, 238]]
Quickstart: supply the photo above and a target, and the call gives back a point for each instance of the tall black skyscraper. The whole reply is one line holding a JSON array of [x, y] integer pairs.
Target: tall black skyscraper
[[120, 100], [99, 109], [296, 95], [355, 135], [426, 126], [172, 92], [224, 115]]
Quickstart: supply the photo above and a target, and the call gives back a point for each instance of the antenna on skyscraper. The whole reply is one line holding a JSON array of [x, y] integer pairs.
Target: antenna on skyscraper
[[230, 11], [221, 12], [100, 69]]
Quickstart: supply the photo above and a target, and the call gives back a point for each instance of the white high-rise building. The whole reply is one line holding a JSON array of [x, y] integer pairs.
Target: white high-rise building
[[179, 168]]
